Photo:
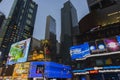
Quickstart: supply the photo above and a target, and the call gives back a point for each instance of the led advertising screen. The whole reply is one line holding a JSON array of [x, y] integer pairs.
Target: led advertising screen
[[21, 71], [112, 44], [93, 47], [101, 47], [49, 70], [36, 69], [18, 52], [79, 51], [118, 39]]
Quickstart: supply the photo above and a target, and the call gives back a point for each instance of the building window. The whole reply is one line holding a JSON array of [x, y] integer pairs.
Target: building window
[[32, 5], [28, 22], [31, 10], [29, 16], [22, 10]]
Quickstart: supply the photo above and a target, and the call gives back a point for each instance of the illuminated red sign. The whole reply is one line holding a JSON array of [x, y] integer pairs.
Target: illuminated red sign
[[93, 72]]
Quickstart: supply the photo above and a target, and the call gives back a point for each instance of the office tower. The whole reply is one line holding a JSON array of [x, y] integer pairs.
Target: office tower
[[50, 35], [2, 18], [20, 23], [69, 22]]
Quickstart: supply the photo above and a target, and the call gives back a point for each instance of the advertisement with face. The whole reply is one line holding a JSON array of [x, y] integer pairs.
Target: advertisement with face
[[79, 51], [18, 52]]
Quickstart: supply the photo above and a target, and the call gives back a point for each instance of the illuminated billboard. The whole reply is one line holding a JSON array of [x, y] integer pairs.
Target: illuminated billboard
[[112, 44], [93, 47], [79, 51], [101, 47], [41, 69], [21, 71], [118, 39], [18, 52]]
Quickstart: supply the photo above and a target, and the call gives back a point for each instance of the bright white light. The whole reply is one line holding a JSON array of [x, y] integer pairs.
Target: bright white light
[[92, 47], [112, 45]]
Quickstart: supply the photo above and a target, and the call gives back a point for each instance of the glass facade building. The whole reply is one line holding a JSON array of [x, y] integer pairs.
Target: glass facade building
[[69, 28], [20, 24]]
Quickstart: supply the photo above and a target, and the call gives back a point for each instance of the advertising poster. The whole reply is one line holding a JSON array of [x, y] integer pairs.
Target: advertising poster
[[112, 44], [79, 51], [21, 71], [18, 52]]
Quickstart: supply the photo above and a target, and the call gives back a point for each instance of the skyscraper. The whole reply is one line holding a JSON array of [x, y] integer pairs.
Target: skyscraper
[[2, 18], [69, 24], [50, 34], [20, 23]]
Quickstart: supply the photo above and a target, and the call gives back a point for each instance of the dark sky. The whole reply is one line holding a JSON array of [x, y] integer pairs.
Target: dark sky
[[45, 8]]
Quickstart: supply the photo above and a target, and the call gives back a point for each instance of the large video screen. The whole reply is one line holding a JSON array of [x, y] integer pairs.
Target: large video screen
[[112, 44], [93, 47], [101, 46], [18, 52], [118, 39], [21, 71], [79, 51]]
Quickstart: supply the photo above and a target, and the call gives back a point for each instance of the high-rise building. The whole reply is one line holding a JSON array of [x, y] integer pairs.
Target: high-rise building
[[50, 35], [2, 18], [20, 23], [69, 24]]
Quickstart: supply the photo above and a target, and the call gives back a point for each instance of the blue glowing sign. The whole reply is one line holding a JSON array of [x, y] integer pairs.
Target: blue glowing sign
[[79, 51], [118, 39], [50, 70]]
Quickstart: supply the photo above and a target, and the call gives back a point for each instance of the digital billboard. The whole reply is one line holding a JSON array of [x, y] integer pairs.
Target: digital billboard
[[79, 51], [118, 39], [41, 69], [101, 47], [93, 47], [112, 44], [18, 52], [21, 71]]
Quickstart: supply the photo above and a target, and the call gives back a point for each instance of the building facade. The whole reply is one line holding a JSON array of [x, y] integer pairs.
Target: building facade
[[50, 35], [97, 60], [69, 28], [20, 24]]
